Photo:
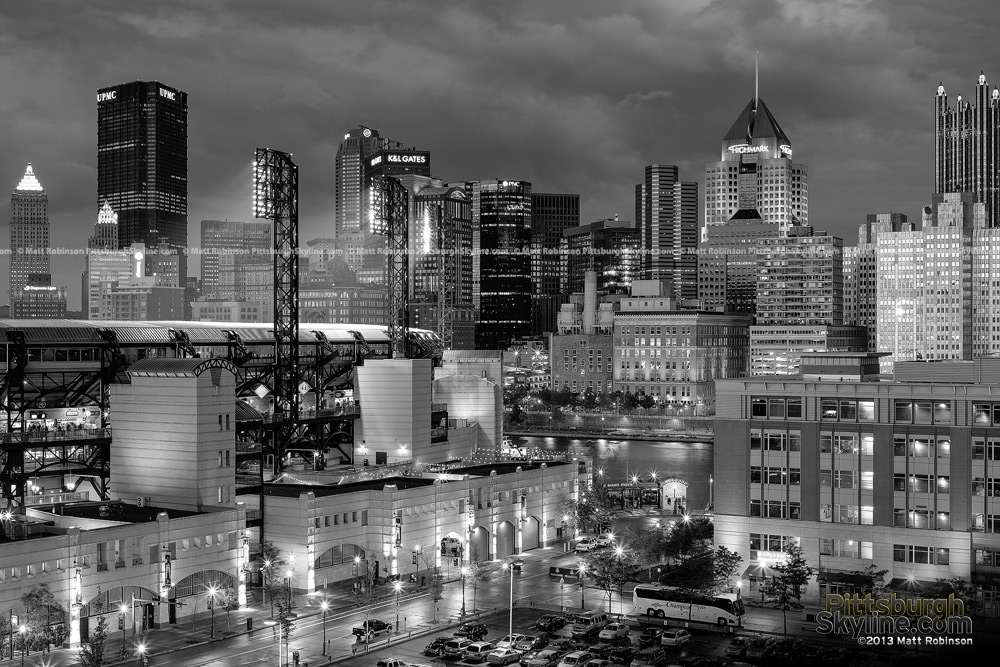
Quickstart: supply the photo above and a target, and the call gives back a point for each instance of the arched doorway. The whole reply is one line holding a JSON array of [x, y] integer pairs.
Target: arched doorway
[[529, 534], [480, 545], [505, 539]]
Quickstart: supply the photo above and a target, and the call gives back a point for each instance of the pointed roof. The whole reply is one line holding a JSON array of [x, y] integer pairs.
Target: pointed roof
[[756, 122], [29, 183], [107, 215]]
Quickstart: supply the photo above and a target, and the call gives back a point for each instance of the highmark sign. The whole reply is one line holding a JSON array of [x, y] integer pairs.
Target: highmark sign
[[741, 149]]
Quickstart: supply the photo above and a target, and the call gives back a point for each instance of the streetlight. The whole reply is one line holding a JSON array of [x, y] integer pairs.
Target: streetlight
[[23, 630], [122, 609], [619, 551], [465, 571], [510, 613], [325, 606], [211, 606], [398, 586], [583, 572], [143, 658], [271, 623]]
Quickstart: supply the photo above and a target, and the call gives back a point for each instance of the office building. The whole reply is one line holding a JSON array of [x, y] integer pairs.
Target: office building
[[858, 472], [965, 147], [860, 273], [551, 215], [350, 205], [666, 214], [107, 265], [609, 247], [727, 263], [237, 265], [582, 357], [501, 264], [675, 355], [31, 292], [142, 161]]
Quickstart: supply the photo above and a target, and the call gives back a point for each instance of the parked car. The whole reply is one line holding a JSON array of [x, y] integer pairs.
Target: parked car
[[622, 655], [613, 631], [455, 647], [477, 651], [650, 637], [602, 650], [508, 641], [370, 629], [737, 647], [549, 657], [605, 539], [575, 659], [550, 623], [654, 656], [585, 544], [599, 662], [390, 662], [758, 647], [675, 637], [589, 624], [436, 647], [474, 631], [531, 642], [503, 656]]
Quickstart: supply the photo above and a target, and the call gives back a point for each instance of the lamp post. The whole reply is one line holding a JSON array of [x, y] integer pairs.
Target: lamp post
[[122, 609], [398, 585], [465, 571], [325, 606], [619, 550], [510, 612], [143, 659], [271, 623], [211, 606], [583, 571], [23, 630]]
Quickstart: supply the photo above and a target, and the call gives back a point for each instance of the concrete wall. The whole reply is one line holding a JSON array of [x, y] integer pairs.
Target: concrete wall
[[476, 399], [395, 401]]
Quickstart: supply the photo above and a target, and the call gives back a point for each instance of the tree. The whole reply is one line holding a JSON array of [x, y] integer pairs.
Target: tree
[[961, 589], [479, 573], [286, 614], [726, 565], [611, 570], [92, 651], [786, 585], [694, 573], [229, 600], [649, 545], [692, 535], [44, 618], [365, 580], [435, 580], [270, 568], [874, 582]]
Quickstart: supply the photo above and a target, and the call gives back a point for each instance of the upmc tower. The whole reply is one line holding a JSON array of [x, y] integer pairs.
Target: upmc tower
[[142, 161]]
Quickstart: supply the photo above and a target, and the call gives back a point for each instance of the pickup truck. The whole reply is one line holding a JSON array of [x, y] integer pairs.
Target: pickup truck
[[370, 629]]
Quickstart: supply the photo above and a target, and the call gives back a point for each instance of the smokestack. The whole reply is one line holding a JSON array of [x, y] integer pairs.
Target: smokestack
[[589, 301]]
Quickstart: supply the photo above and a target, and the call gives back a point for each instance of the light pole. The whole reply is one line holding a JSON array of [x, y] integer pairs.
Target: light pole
[[619, 550], [510, 613], [143, 658], [123, 610], [23, 630], [325, 606], [583, 571], [398, 586], [465, 571], [271, 623], [211, 606]]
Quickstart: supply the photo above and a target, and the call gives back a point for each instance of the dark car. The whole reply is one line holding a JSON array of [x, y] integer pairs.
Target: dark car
[[474, 631], [654, 656], [759, 646], [550, 623], [532, 642], [436, 647], [737, 647], [602, 650], [622, 655], [650, 637]]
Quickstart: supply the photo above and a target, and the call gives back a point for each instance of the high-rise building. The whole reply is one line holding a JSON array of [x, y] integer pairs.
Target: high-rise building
[[860, 273], [350, 207], [967, 147], [106, 265], [608, 247], [666, 214], [551, 215], [501, 241], [925, 283], [142, 161], [32, 294], [237, 264]]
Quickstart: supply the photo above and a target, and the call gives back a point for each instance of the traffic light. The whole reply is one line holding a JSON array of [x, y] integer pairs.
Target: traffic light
[[210, 602], [454, 562], [414, 557], [121, 621]]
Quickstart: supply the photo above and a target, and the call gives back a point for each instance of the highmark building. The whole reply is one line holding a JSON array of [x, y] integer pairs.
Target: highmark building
[[903, 475]]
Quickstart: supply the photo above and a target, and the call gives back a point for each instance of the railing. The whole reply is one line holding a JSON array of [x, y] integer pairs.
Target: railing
[[305, 413], [53, 498], [28, 437]]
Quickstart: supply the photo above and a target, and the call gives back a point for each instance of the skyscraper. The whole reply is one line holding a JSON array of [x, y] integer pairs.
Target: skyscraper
[[967, 147], [349, 176], [142, 161], [666, 214], [31, 292], [501, 240], [860, 283], [608, 247]]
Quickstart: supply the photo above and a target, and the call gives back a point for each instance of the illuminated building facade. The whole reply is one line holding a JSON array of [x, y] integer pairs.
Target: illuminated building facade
[[860, 273], [501, 240], [859, 471], [350, 206], [967, 147], [31, 292], [666, 214], [609, 247], [142, 161]]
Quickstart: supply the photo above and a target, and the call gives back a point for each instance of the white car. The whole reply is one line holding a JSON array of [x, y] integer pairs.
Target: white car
[[503, 656], [613, 631], [605, 539], [509, 641], [675, 637], [585, 544]]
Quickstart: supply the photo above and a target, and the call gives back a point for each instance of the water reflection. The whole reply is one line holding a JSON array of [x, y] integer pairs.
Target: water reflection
[[620, 459]]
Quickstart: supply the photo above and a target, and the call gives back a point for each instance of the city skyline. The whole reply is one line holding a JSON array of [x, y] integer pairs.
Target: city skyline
[[496, 94]]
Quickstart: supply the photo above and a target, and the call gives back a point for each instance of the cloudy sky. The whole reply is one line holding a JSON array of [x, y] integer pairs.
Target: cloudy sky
[[572, 95]]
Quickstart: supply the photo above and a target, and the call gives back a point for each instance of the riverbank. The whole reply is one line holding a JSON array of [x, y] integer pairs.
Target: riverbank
[[590, 434]]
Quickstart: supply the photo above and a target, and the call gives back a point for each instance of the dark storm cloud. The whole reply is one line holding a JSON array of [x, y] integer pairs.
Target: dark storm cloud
[[573, 95]]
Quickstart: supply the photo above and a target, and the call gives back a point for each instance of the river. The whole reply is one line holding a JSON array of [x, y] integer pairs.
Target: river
[[690, 461]]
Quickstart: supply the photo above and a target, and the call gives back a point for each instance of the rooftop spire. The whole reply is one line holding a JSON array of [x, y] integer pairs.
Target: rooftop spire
[[28, 182], [756, 76]]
